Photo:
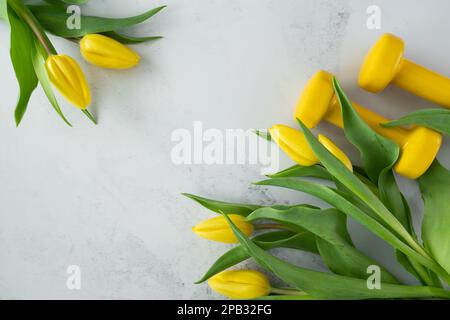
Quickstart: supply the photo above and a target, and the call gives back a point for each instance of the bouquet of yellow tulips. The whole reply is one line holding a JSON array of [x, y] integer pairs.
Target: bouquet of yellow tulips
[[368, 194], [35, 59]]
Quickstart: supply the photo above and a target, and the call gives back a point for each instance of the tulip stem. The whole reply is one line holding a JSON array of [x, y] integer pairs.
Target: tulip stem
[[287, 292], [23, 12]]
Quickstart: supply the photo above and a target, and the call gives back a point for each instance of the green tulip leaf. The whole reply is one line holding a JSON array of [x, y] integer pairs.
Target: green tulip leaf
[[333, 198], [225, 207], [330, 286], [357, 202], [22, 46], [54, 20], [3, 10], [129, 39], [344, 176], [75, 1], [56, 2], [304, 240], [361, 190], [264, 134], [333, 241], [377, 152], [315, 171], [301, 240], [89, 115], [66, 2], [394, 200], [435, 189], [39, 56], [378, 156], [437, 119]]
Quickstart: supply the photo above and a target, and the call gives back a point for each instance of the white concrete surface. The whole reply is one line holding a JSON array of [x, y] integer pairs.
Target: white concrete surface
[[107, 197]]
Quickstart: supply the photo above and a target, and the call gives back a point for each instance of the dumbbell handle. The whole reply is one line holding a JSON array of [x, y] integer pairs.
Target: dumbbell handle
[[334, 116], [423, 82]]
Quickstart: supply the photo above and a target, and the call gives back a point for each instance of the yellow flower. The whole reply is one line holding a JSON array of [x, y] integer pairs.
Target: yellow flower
[[67, 76], [105, 52], [294, 144], [338, 153], [217, 229], [240, 284]]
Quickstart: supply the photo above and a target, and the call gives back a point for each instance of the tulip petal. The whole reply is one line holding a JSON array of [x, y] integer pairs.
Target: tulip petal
[[67, 76], [294, 144], [106, 52], [217, 229], [334, 149], [240, 284]]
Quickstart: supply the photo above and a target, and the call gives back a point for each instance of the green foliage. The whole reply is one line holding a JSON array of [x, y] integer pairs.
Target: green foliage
[[330, 286], [54, 20], [437, 119], [264, 134], [225, 207], [379, 155], [377, 152], [65, 2], [435, 188], [333, 241], [129, 39], [315, 171], [303, 240], [22, 46], [3, 10], [332, 197]]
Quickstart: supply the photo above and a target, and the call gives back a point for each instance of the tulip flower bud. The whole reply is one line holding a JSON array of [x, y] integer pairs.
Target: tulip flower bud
[[108, 53], [67, 76], [218, 229], [295, 145], [240, 284], [338, 153]]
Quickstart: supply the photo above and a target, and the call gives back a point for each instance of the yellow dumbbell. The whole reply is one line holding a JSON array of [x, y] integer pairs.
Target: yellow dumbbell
[[419, 145], [384, 64]]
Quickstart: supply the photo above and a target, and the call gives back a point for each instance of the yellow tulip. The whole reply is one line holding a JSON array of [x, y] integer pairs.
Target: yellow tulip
[[338, 153], [67, 76], [294, 144], [217, 229], [105, 52], [240, 284]]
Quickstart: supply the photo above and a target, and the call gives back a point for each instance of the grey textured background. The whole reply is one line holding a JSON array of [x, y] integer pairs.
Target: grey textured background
[[107, 197]]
